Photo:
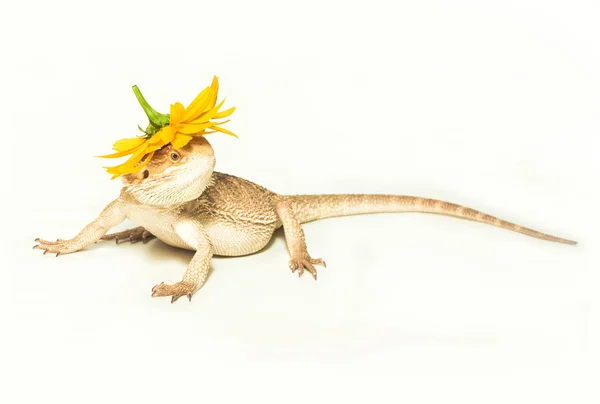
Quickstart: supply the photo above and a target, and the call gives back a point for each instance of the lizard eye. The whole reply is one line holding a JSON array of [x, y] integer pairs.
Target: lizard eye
[[175, 156]]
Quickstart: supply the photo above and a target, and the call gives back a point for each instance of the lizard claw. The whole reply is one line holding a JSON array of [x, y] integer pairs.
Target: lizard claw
[[306, 262], [175, 291], [58, 247]]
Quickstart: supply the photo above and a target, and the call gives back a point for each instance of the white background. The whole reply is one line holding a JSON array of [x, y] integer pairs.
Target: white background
[[495, 105]]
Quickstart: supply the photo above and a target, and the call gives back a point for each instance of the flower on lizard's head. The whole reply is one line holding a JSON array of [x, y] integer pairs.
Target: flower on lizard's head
[[177, 128]]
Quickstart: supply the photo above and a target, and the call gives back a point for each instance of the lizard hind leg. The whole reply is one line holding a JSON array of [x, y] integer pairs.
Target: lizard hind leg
[[296, 242], [134, 235]]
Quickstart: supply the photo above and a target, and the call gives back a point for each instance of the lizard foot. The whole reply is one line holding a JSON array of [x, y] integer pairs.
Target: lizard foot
[[57, 247], [307, 263], [175, 291], [132, 235]]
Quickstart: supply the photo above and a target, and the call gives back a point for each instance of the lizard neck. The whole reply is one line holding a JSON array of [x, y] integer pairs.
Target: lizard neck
[[167, 194]]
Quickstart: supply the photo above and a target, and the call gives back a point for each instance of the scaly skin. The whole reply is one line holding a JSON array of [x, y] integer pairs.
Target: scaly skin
[[180, 200]]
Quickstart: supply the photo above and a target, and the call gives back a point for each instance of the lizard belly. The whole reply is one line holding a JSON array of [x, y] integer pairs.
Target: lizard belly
[[228, 237], [234, 238]]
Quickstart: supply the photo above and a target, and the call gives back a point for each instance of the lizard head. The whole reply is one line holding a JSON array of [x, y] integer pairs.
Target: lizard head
[[173, 176]]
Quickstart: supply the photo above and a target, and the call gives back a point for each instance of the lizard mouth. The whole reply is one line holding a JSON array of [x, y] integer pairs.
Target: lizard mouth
[[190, 172]]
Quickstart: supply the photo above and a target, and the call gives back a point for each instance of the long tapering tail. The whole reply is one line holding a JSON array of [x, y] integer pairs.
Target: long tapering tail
[[315, 207]]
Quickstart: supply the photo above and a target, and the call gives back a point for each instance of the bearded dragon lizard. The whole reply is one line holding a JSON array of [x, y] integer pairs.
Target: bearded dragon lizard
[[179, 199]]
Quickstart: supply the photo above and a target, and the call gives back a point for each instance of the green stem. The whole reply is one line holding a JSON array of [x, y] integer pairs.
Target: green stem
[[156, 119]]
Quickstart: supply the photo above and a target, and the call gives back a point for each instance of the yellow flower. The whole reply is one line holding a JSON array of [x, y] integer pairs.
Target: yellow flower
[[177, 128]]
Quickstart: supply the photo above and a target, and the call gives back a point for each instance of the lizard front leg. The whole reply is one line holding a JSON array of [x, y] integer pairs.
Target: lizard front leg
[[197, 271], [111, 216], [296, 242]]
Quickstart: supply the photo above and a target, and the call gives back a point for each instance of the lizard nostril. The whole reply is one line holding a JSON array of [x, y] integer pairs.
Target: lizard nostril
[[146, 174]]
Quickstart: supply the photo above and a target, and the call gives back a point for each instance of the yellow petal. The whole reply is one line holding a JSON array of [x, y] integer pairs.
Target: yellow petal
[[197, 106], [228, 132], [154, 140], [120, 169], [136, 158], [207, 116], [205, 101], [224, 114], [144, 163], [124, 152], [114, 170], [197, 103], [177, 112], [188, 129], [164, 136], [214, 91], [128, 144], [204, 132], [180, 141], [132, 161]]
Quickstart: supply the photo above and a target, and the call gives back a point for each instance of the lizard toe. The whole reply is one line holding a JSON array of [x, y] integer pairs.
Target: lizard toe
[[305, 263], [57, 247], [134, 235], [175, 290]]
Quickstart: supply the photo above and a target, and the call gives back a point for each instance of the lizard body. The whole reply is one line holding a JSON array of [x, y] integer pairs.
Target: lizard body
[[183, 202]]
